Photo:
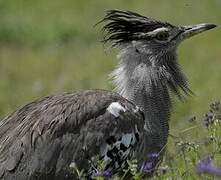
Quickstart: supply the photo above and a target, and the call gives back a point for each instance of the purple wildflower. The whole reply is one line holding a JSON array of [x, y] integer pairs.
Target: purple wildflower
[[148, 166], [103, 174], [205, 123], [163, 170], [205, 116], [208, 116], [206, 166], [153, 155]]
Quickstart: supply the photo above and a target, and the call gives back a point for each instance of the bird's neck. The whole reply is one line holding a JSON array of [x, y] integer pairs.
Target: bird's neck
[[137, 79]]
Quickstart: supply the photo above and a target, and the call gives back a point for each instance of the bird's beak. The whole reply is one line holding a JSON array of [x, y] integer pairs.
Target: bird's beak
[[189, 31]]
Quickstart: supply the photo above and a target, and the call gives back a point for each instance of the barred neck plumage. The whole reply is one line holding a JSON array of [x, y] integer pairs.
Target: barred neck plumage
[[145, 79], [148, 69]]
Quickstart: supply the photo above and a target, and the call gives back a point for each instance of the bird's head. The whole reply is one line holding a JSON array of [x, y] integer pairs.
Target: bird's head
[[128, 27], [149, 45]]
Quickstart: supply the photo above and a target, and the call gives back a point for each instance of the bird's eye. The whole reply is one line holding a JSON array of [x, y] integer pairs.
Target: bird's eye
[[162, 36]]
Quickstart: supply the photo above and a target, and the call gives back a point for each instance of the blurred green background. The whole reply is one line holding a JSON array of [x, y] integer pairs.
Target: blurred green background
[[50, 46]]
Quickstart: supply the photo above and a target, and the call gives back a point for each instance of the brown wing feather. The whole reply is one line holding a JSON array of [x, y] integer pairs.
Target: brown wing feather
[[42, 138]]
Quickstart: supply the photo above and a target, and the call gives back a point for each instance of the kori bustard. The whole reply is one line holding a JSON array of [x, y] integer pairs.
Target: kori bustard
[[47, 137]]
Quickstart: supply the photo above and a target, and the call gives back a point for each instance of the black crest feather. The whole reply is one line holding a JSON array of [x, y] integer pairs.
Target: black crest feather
[[123, 26]]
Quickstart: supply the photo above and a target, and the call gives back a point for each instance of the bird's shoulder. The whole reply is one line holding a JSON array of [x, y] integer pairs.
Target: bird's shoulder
[[85, 117], [71, 109]]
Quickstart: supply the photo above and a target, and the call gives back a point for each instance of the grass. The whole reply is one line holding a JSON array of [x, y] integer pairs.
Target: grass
[[48, 47]]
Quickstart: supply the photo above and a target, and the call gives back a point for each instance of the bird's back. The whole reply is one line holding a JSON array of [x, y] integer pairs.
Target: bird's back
[[42, 139]]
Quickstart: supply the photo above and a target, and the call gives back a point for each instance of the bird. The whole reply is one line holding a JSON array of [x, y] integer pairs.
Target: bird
[[47, 138], [148, 73]]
